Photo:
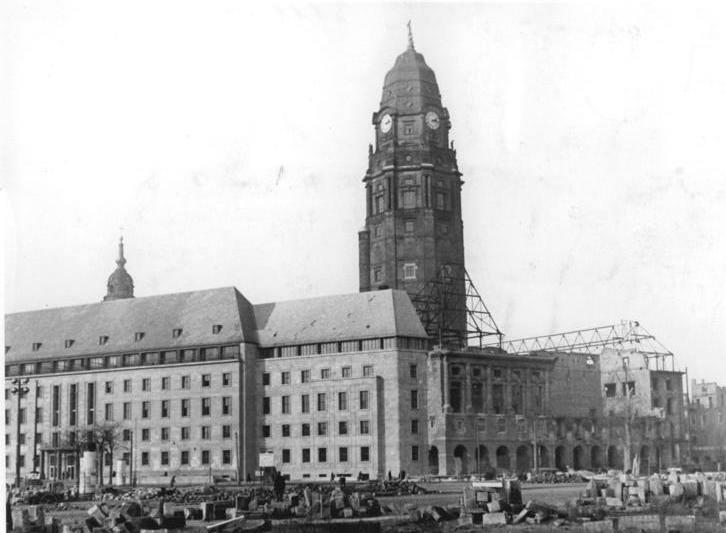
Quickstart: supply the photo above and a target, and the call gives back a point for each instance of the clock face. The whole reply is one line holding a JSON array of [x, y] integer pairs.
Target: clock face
[[386, 123], [432, 120]]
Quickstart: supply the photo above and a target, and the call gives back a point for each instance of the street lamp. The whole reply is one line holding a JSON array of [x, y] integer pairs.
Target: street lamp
[[20, 388]]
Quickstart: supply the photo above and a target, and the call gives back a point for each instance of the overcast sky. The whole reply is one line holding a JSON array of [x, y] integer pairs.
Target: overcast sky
[[229, 141]]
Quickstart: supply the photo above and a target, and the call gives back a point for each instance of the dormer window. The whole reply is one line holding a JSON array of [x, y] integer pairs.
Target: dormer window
[[216, 328], [69, 342], [103, 339], [36, 346], [176, 333], [138, 336]]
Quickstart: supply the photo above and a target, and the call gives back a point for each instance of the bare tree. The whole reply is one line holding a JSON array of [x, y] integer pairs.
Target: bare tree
[[107, 438]]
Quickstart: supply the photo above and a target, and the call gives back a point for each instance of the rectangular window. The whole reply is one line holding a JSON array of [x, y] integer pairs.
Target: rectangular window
[[414, 453], [145, 409], [206, 406], [629, 388], [305, 376], [324, 373], [266, 405], [342, 401], [23, 420], [39, 415], [367, 371], [306, 455], [146, 384], [127, 385], [414, 399], [322, 428], [226, 457], [412, 371], [21, 439], [305, 430], [164, 408], [285, 455], [108, 387], [414, 427], [347, 372], [56, 406], [322, 455], [145, 434], [365, 454], [206, 432], [90, 403], [285, 378], [266, 430], [127, 410], [455, 394], [184, 459], [286, 430], [226, 379], [165, 381], [285, 405], [185, 407], [205, 457], [343, 454], [164, 433], [108, 411], [165, 458], [342, 427], [363, 399], [126, 435], [226, 431], [498, 398], [206, 380], [365, 428], [266, 378], [305, 403], [477, 397], [322, 401], [186, 382], [610, 390], [73, 405], [226, 405]]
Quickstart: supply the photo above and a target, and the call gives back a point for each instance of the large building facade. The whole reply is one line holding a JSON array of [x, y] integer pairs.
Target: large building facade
[[206, 383]]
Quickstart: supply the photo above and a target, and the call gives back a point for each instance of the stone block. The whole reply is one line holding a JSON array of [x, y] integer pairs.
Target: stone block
[[644, 523], [347, 512], [599, 526], [489, 519], [680, 523], [494, 507], [613, 502]]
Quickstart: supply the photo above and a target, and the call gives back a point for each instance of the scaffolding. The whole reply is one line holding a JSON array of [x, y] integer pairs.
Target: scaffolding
[[453, 312], [629, 335]]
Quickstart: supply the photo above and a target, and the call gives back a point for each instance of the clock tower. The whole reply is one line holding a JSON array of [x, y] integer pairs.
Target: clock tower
[[413, 230]]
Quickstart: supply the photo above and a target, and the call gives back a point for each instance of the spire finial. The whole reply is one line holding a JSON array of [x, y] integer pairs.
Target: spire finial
[[410, 36], [121, 261]]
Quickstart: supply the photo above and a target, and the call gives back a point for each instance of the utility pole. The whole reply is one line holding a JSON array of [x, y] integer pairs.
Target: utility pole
[[19, 389]]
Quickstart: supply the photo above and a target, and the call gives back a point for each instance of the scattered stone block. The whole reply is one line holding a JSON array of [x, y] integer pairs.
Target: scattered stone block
[[494, 507], [489, 519], [521, 516]]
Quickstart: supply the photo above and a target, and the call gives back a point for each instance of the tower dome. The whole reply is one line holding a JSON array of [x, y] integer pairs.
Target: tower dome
[[120, 284], [410, 85]]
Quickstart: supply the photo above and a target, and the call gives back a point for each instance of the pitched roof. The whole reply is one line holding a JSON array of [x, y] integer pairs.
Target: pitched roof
[[384, 313], [119, 320]]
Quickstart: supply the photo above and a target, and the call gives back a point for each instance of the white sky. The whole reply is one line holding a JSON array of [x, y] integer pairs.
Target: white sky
[[229, 141]]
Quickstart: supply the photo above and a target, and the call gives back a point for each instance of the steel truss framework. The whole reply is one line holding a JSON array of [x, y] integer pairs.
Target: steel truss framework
[[453, 312], [628, 335]]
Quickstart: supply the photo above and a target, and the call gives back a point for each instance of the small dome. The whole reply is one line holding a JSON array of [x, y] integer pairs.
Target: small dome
[[120, 283]]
